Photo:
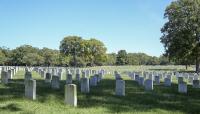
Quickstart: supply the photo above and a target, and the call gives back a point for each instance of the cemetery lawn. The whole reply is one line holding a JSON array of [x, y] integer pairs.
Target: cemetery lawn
[[100, 100]]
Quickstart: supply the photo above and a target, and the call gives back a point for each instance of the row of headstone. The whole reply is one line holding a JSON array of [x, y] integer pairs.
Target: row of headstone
[[87, 79], [70, 89], [151, 80], [7, 73]]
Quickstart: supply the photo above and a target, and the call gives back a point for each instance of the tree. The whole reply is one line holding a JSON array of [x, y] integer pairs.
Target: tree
[[19, 53], [2, 58], [91, 52], [153, 61], [50, 56], [181, 33], [111, 59], [164, 60], [71, 45], [121, 58], [94, 52], [63, 60], [32, 59]]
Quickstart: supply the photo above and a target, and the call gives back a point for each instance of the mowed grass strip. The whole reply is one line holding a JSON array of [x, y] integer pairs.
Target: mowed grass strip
[[101, 99]]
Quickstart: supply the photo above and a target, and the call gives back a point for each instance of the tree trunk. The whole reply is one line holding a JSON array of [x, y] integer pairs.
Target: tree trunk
[[74, 57], [197, 64]]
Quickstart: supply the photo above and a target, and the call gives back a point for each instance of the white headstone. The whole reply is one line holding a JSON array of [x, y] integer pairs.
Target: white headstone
[[69, 79], [48, 78], [148, 85], [196, 84], [85, 88], [180, 80], [71, 94], [182, 87], [4, 77], [28, 76], [10, 74], [30, 89], [167, 82], [157, 80], [55, 82], [93, 80], [141, 81], [120, 88]]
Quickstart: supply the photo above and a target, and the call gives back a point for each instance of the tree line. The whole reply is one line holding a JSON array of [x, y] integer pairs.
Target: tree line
[[75, 51]]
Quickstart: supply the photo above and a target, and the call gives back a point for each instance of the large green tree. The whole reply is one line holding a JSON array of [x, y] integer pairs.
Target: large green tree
[[32, 59], [17, 55], [71, 45], [122, 58], [50, 56], [181, 32], [94, 52], [83, 52]]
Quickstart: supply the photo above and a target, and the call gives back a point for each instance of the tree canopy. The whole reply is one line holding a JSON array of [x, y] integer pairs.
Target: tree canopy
[[90, 52], [181, 32]]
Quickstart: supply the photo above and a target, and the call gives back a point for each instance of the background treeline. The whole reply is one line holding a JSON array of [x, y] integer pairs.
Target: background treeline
[[75, 51]]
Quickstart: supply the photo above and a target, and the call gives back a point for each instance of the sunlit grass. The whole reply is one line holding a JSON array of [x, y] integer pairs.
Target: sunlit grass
[[101, 99]]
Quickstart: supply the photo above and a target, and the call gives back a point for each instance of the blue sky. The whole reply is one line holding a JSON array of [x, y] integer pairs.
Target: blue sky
[[133, 25]]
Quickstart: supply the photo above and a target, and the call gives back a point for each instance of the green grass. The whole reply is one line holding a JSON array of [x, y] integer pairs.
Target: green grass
[[101, 99]]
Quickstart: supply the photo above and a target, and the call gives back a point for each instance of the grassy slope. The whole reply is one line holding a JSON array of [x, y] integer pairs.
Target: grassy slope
[[100, 100]]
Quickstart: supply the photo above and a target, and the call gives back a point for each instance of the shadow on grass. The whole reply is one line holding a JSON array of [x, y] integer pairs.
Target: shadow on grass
[[10, 107], [136, 99]]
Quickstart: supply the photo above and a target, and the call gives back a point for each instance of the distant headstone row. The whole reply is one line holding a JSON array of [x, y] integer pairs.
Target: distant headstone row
[[149, 79]]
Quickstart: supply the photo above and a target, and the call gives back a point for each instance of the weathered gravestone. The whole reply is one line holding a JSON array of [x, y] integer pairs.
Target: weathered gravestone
[[84, 74], [157, 80], [137, 78], [118, 76], [78, 75], [55, 82], [151, 76], [93, 80], [85, 88], [132, 75], [10, 74], [60, 75], [167, 82], [180, 80], [13, 72], [196, 84], [69, 79], [4, 77], [43, 74], [87, 72], [71, 94], [148, 84], [28, 76], [182, 87], [48, 78], [98, 77], [120, 88], [30, 89], [141, 81], [190, 80]]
